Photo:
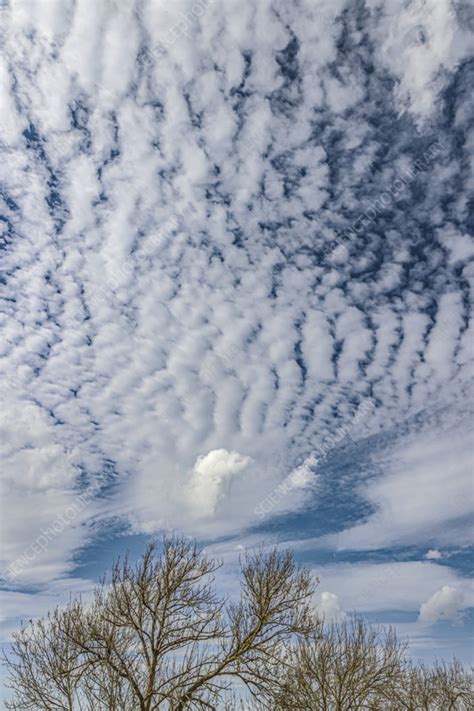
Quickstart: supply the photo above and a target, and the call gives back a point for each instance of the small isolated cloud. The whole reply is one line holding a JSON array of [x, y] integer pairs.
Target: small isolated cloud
[[210, 477], [434, 554], [303, 476], [329, 607], [446, 604]]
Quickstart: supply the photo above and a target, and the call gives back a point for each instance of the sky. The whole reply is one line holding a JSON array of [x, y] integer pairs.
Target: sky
[[236, 283]]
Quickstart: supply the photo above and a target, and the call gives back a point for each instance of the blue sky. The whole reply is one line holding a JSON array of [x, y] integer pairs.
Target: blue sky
[[237, 273]]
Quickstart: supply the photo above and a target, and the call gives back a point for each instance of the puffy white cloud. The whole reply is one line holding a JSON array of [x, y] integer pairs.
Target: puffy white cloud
[[422, 41], [404, 586], [329, 608], [459, 245], [211, 477], [448, 603], [433, 554]]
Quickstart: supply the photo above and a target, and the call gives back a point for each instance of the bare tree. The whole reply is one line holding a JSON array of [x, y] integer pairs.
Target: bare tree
[[42, 665], [442, 687], [453, 684], [159, 637], [340, 667], [352, 666], [48, 669]]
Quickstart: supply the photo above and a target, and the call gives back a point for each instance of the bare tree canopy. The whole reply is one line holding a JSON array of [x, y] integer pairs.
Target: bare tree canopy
[[351, 666], [158, 636]]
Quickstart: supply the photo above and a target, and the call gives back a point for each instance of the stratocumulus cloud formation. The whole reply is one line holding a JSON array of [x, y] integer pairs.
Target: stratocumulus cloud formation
[[237, 267]]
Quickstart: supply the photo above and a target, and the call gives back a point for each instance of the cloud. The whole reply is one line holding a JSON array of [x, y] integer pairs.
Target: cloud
[[433, 554], [368, 588], [303, 476], [17, 606], [421, 496], [403, 586], [329, 608], [211, 476], [169, 290], [448, 603], [39, 481], [423, 41]]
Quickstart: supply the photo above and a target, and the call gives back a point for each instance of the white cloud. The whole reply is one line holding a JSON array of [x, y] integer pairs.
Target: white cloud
[[433, 554], [423, 491], [211, 477], [448, 603], [405, 586], [168, 293], [304, 476], [422, 41], [459, 245], [40, 482], [329, 608], [22, 606]]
